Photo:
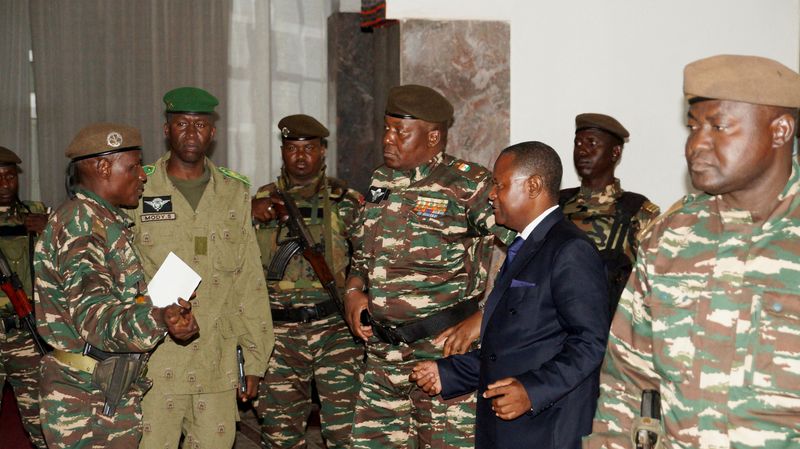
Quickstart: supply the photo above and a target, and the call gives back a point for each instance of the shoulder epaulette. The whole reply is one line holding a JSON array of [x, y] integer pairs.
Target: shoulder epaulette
[[232, 174], [149, 169], [650, 208], [469, 170], [672, 209]]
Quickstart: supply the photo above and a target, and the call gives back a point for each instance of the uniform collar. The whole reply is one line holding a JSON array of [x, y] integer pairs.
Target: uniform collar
[[91, 197], [424, 170], [612, 190], [306, 191], [786, 198]]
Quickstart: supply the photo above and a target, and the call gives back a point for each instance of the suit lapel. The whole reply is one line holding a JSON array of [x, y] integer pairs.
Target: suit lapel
[[528, 250]]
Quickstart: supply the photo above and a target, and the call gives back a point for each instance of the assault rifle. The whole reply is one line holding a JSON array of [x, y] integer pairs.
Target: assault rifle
[[12, 287], [300, 240]]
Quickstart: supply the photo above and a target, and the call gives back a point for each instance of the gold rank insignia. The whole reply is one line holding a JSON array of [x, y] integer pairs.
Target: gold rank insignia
[[430, 207]]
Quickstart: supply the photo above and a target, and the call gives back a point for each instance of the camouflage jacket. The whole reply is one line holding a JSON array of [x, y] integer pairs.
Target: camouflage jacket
[[231, 306], [14, 243], [330, 212], [711, 318], [593, 212], [425, 239], [88, 279]]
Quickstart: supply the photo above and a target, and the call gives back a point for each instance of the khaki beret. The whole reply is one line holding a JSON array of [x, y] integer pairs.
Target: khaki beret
[[749, 79], [191, 100], [603, 122], [301, 127], [102, 139], [418, 102], [8, 157]]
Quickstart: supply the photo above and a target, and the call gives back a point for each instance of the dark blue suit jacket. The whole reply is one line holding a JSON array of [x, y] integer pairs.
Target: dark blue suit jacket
[[545, 324]]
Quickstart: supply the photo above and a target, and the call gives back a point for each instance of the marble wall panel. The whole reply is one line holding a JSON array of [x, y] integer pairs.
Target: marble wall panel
[[469, 63]]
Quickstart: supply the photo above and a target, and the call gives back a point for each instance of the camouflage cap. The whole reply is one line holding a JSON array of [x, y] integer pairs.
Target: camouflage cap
[[301, 127], [102, 139], [748, 79], [418, 102], [190, 100], [602, 122], [8, 157]]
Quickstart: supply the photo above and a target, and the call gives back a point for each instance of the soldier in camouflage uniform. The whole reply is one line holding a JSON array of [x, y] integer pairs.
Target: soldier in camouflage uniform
[[312, 341], [89, 296], [201, 213], [611, 216], [20, 223], [711, 315], [419, 266]]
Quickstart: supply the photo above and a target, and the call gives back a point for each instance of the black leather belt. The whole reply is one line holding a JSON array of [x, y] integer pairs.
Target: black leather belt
[[9, 323], [305, 314], [426, 327]]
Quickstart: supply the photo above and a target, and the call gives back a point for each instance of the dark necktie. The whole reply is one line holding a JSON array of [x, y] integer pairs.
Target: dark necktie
[[511, 253]]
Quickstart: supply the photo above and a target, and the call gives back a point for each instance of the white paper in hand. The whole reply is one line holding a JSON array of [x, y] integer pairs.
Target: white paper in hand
[[174, 279]]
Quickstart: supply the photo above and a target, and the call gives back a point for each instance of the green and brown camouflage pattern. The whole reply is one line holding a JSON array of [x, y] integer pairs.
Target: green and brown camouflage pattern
[[593, 212], [711, 319], [19, 359], [231, 307], [88, 278], [322, 352], [424, 248]]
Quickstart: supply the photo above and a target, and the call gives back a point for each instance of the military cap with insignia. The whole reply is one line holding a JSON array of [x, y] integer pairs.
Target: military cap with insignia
[[418, 102], [190, 100], [602, 122], [301, 127], [747, 79], [103, 139], [8, 157]]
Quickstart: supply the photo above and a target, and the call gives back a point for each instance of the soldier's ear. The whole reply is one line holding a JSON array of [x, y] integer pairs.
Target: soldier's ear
[[103, 167], [434, 137], [783, 130], [616, 153]]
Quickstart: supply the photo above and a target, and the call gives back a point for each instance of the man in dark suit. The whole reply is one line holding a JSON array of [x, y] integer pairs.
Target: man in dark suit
[[545, 324]]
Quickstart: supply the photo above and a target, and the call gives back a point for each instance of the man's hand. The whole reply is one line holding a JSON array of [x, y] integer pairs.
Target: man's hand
[[510, 398], [252, 388], [457, 339], [354, 303], [180, 321], [35, 222], [263, 209], [426, 375]]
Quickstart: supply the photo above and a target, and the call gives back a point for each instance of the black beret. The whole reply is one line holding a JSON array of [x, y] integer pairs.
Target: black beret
[[603, 122], [418, 102], [301, 127], [8, 157]]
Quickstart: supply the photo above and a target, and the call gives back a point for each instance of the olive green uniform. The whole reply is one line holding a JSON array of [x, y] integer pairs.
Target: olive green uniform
[[321, 350], [19, 359], [193, 384]]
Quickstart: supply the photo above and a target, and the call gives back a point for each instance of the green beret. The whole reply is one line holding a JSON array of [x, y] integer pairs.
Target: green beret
[[301, 127], [602, 122], [748, 79], [8, 157], [418, 102], [191, 100], [102, 139]]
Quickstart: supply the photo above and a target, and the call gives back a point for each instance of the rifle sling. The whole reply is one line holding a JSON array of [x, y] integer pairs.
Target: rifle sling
[[305, 314], [426, 327], [13, 231]]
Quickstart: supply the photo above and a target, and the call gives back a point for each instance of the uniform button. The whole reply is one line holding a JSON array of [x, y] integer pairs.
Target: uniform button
[[492, 357], [191, 377], [778, 307], [168, 373], [513, 311]]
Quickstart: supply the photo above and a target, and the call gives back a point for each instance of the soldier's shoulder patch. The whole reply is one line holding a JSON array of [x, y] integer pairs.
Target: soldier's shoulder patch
[[37, 207], [149, 169], [99, 228], [233, 175], [469, 170]]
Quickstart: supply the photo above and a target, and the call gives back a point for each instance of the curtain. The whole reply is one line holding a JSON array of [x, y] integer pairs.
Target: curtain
[[249, 131], [15, 89], [113, 60]]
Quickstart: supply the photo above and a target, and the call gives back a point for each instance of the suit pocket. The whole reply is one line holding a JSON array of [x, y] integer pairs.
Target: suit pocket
[[517, 283]]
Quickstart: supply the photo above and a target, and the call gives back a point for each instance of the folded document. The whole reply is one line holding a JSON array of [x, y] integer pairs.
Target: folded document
[[174, 279]]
